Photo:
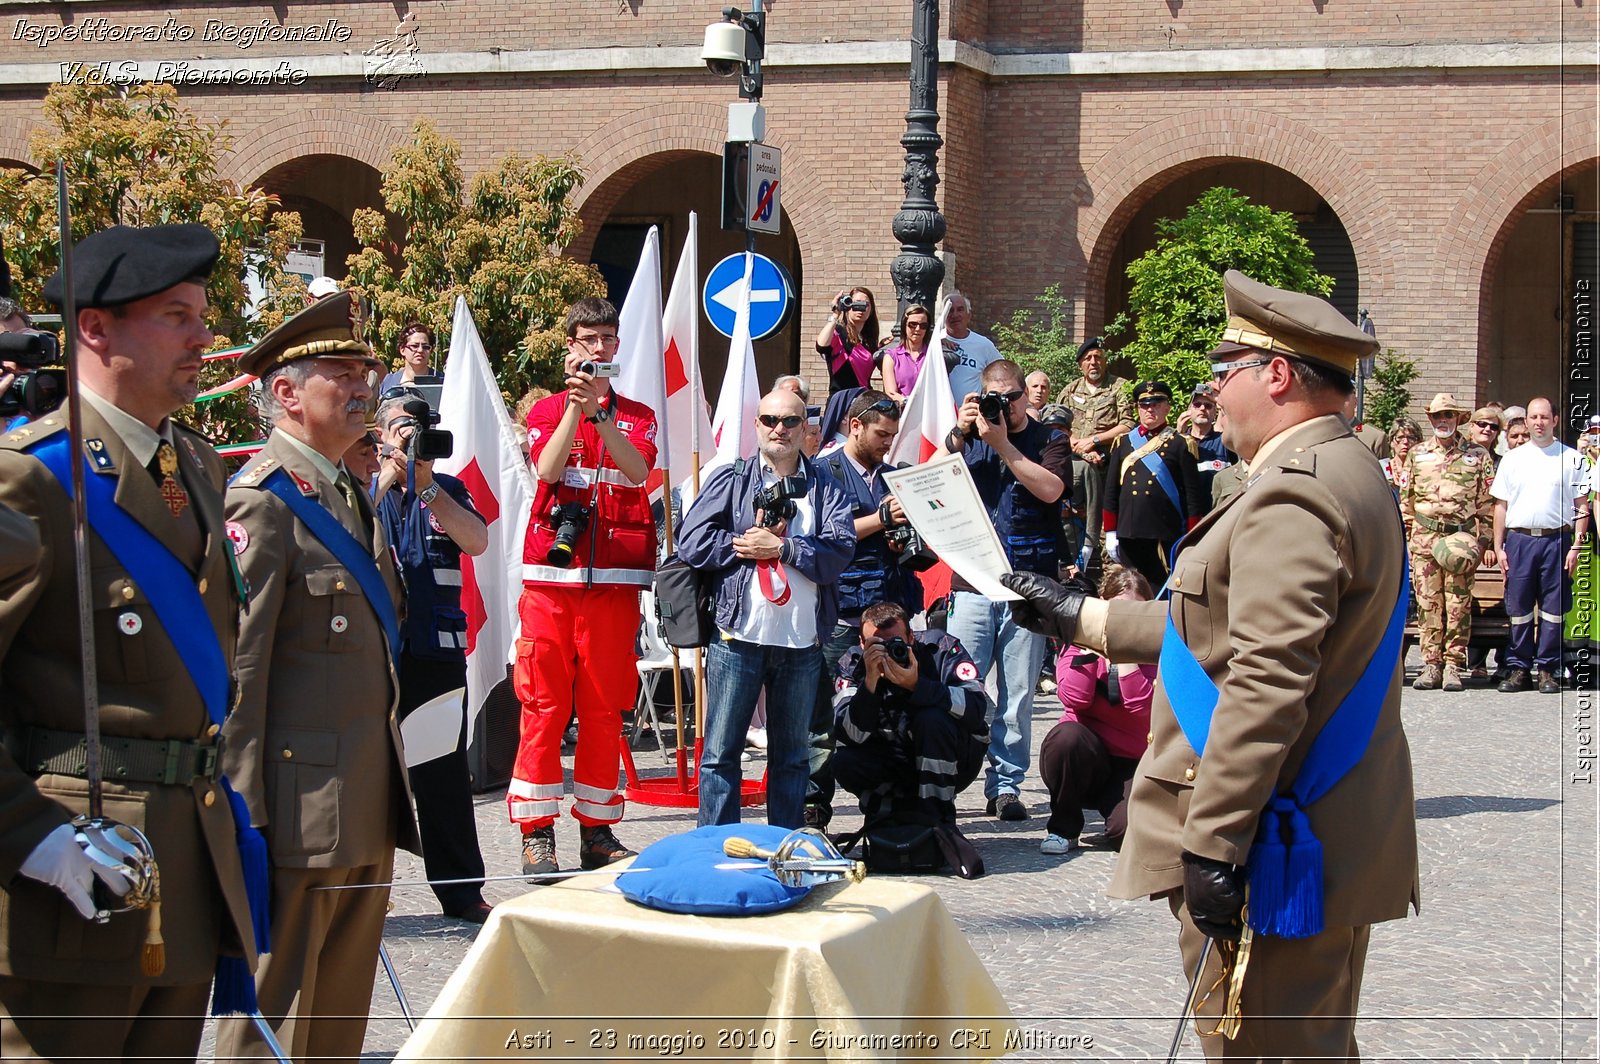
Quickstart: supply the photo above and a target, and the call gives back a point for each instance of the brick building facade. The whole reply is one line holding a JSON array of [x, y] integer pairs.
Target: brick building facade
[[1442, 158]]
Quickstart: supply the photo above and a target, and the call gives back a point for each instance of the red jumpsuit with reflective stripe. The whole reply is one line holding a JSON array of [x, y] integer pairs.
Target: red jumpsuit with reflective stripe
[[576, 649]]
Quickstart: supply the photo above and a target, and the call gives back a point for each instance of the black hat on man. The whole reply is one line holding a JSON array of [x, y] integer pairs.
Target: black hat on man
[[334, 327], [1094, 343], [1279, 322], [1152, 390], [126, 263]]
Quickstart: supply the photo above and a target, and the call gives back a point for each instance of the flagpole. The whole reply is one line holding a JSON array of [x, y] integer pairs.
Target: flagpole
[[696, 395]]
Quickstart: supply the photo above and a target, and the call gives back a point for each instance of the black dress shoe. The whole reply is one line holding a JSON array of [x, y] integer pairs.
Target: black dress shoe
[[1516, 680], [476, 913]]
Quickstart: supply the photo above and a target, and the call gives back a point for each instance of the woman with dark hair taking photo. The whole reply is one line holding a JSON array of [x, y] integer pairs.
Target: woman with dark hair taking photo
[[849, 341], [902, 361]]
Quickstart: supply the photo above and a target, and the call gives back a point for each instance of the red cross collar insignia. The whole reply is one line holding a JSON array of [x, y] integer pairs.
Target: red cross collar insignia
[[305, 486]]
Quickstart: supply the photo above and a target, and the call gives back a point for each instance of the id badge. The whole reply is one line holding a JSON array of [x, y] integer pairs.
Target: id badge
[[579, 478]]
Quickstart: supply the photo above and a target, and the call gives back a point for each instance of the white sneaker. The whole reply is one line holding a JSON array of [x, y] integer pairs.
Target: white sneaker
[[1057, 845], [756, 737]]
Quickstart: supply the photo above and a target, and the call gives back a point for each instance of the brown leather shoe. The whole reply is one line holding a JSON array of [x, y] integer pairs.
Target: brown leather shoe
[[1427, 680], [1516, 680], [598, 847], [1548, 684], [1452, 680]]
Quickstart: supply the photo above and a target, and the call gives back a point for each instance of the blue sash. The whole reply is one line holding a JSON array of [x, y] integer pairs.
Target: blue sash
[[170, 589], [344, 547], [1285, 864], [1157, 468]]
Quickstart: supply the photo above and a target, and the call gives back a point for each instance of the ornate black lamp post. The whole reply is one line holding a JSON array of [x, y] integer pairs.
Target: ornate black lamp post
[[918, 225]]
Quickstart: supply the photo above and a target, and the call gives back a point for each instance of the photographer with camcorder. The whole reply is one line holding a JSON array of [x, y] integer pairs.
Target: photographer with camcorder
[[771, 535], [887, 559], [1022, 469], [431, 523], [849, 340], [591, 547], [32, 380], [910, 719]]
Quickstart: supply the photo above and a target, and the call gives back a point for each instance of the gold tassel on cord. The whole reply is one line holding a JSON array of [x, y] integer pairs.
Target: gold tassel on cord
[[153, 960]]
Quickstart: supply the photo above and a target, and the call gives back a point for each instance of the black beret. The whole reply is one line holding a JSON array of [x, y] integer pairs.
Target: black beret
[[1094, 343], [1152, 390], [125, 263]]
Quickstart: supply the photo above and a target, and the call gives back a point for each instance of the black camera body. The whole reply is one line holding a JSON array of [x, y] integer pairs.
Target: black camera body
[[899, 650], [775, 502], [992, 405], [845, 305], [913, 553], [37, 390], [427, 443], [571, 520]]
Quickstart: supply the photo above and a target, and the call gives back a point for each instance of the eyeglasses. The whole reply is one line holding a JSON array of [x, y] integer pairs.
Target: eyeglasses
[[423, 346], [600, 342], [788, 421], [916, 325], [1220, 371], [400, 391], [887, 407], [1153, 402], [1487, 425]]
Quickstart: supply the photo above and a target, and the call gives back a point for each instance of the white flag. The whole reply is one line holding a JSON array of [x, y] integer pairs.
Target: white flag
[[488, 460], [686, 397], [640, 374], [733, 426], [930, 411]]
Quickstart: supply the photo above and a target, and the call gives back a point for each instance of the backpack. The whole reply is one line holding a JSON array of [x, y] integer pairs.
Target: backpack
[[910, 844]]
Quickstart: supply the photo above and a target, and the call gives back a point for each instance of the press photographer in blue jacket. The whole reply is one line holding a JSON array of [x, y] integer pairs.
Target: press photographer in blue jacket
[[772, 535]]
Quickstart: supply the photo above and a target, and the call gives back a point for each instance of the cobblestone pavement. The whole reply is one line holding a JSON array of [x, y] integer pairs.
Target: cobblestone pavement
[[1500, 965]]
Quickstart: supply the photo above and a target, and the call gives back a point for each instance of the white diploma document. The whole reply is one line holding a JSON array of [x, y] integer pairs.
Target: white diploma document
[[942, 504], [433, 729]]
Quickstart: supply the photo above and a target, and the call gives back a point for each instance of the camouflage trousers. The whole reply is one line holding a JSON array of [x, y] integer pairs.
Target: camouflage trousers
[[1444, 604]]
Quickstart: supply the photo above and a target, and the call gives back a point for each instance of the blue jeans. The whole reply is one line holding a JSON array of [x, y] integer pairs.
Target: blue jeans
[[986, 629], [736, 672]]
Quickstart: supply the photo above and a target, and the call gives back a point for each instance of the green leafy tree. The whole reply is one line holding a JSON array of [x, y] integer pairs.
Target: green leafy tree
[[499, 243], [1387, 396], [1040, 337], [142, 158], [1175, 306]]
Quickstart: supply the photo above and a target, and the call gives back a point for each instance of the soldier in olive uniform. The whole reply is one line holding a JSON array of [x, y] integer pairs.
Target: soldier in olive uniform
[[71, 988], [1447, 506], [1153, 490], [1102, 411], [314, 743]]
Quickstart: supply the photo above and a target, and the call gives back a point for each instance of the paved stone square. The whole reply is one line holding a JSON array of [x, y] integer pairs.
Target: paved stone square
[[1500, 965]]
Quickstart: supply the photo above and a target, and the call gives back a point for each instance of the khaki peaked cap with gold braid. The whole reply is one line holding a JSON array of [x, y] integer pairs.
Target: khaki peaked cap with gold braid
[[329, 328], [1279, 322]]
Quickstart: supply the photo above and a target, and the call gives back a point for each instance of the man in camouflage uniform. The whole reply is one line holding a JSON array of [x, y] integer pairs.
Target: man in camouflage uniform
[[1102, 411], [1446, 498]]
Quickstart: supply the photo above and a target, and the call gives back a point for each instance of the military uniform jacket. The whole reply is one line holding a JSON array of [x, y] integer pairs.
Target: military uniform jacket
[[1282, 595], [1137, 507], [1096, 410], [145, 693], [1447, 484], [314, 745]]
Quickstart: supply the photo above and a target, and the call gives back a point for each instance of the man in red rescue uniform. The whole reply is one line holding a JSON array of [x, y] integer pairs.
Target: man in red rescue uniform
[[591, 546]]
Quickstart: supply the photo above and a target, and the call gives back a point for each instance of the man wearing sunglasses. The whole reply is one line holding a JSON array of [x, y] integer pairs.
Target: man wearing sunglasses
[[873, 576], [1021, 469], [1153, 490], [1277, 709], [772, 534]]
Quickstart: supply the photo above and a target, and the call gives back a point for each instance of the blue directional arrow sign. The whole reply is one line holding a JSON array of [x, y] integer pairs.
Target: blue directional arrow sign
[[771, 295]]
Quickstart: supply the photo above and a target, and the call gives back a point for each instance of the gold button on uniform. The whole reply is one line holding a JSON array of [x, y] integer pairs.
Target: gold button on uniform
[[212, 731], [210, 799], [338, 585], [203, 585], [128, 592], [1188, 773], [1177, 581], [288, 754], [1149, 738]]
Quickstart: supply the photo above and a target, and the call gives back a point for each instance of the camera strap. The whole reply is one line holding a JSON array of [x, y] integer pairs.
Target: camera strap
[[773, 581]]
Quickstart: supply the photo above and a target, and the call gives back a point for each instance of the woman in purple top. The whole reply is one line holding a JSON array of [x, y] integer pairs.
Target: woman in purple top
[[902, 362], [849, 341]]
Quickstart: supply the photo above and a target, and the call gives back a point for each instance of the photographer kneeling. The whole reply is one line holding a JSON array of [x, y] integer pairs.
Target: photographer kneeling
[[910, 719]]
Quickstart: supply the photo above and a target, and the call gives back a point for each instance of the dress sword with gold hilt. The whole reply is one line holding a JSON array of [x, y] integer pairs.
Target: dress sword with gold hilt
[[1235, 958]]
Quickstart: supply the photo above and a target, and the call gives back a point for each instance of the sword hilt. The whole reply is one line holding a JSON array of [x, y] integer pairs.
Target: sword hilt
[[823, 864]]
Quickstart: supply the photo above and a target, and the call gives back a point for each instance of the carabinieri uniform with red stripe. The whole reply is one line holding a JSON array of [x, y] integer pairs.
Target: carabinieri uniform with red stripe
[[576, 649]]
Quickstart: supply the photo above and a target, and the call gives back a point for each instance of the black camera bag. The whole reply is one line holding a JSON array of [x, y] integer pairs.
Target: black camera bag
[[911, 844], [683, 598]]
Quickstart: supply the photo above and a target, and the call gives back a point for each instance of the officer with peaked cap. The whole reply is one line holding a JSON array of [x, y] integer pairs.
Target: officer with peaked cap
[[70, 987], [1153, 492], [314, 742], [1286, 609]]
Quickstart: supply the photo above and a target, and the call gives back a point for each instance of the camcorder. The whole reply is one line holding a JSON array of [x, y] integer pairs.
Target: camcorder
[[899, 650], [570, 519], [911, 552], [845, 305], [775, 502], [598, 369], [427, 443], [41, 384]]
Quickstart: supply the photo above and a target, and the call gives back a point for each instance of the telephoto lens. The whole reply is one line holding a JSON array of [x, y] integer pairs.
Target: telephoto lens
[[570, 520]]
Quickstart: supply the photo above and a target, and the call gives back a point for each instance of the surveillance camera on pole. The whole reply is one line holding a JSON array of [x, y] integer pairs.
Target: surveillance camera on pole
[[736, 45]]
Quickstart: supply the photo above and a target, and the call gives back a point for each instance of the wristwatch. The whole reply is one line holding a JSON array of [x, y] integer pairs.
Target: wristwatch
[[429, 493], [600, 416]]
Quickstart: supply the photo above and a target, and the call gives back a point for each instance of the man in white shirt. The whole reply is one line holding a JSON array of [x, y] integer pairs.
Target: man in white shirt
[[771, 534], [966, 353], [1541, 523]]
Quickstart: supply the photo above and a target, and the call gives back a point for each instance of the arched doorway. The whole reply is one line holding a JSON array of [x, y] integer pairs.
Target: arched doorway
[[1540, 286], [661, 190], [326, 190]]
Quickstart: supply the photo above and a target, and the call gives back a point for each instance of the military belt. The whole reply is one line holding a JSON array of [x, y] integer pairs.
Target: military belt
[[44, 751], [1446, 527]]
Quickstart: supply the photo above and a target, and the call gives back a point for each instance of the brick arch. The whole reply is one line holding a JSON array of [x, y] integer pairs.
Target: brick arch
[[1523, 172], [315, 131], [1128, 176], [618, 154], [14, 134]]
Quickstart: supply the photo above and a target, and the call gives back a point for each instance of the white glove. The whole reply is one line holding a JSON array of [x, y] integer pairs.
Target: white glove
[[59, 861], [1109, 540]]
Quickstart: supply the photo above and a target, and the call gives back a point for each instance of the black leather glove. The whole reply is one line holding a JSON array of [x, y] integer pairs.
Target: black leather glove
[[1046, 607], [1214, 894]]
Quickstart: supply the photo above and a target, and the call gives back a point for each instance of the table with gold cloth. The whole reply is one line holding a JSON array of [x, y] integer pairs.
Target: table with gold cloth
[[870, 971]]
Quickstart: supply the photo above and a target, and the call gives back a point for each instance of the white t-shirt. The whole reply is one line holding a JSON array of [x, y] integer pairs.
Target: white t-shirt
[[974, 351], [1540, 486], [794, 624]]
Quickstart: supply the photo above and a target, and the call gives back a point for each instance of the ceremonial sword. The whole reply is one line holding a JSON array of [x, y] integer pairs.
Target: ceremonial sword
[[1188, 1002]]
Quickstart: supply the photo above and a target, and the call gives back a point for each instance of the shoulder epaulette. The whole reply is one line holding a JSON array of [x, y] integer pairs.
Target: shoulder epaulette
[[1301, 461], [26, 436], [253, 474]]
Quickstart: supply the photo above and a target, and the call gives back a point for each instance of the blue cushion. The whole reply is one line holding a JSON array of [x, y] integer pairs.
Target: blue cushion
[[682, 876]]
